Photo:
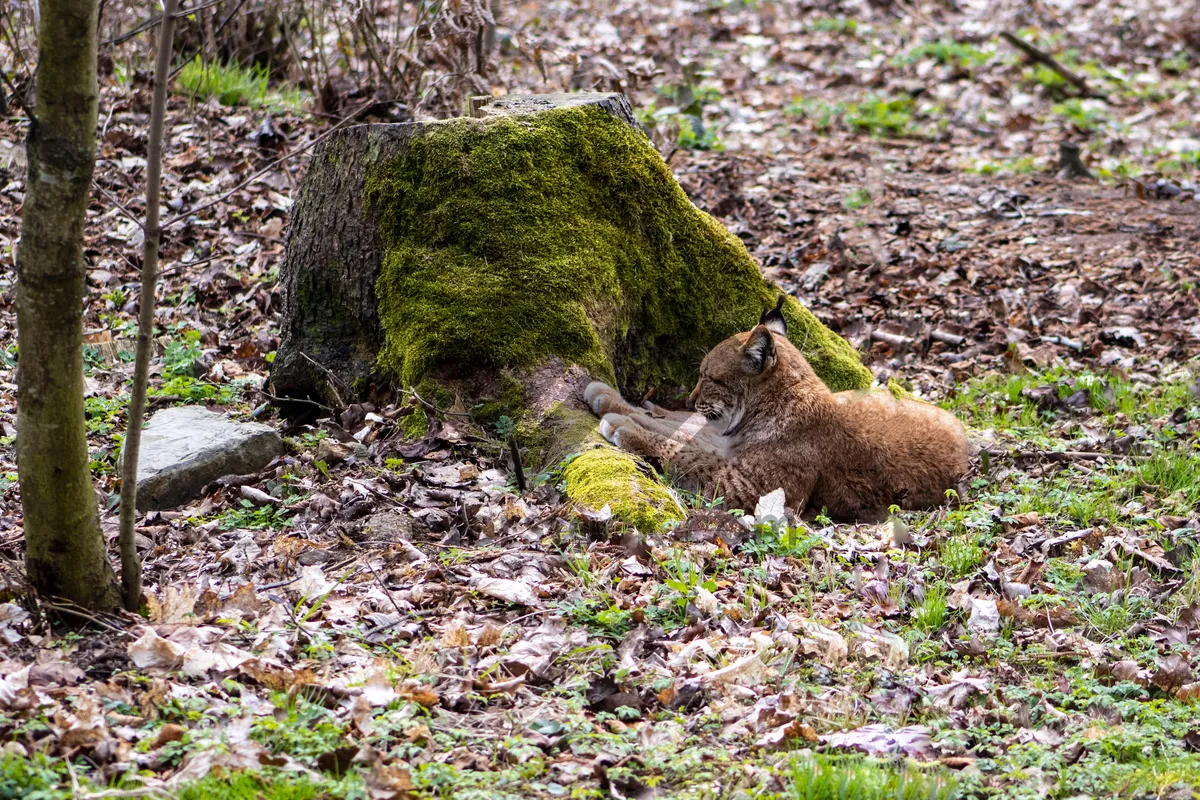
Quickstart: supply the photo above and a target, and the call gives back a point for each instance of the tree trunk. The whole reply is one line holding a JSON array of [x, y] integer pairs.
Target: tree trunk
[[509, 259], [548, 228], [65, 554]]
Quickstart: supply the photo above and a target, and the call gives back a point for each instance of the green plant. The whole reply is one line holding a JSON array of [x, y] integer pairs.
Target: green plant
[[787, 543], [250, 517], [840, 25], [687, 102], [820, 114], [1087, 116], [684, 580], [305, 731], [180, 355], [882, 116], [946, 51], [1173, 469], [857, 198], [190, 390], [1112, 614], [932, 612], [837, 777], [1177, 64], [232, 84], [961, 556], [600, 615], [34, 778], [272, 785]]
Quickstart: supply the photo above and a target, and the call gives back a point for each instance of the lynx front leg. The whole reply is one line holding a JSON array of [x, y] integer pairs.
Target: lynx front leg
[[695, 463], [603, 399]]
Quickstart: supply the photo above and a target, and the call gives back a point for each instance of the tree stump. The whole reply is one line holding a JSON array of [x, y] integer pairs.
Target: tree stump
[[510, 257]]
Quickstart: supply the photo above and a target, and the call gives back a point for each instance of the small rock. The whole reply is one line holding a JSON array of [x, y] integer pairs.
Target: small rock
[[185, 448], [393, 525], [814, 276]]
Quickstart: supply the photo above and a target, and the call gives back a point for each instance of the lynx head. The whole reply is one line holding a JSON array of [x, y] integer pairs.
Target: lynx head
[[740, 369]]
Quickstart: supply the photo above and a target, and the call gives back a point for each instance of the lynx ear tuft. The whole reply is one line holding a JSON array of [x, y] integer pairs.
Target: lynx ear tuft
[[758, 354], [773, 318]]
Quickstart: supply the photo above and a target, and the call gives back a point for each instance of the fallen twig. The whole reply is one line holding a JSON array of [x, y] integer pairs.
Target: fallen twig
[[1065, 342], [518, 469], [1057, 455], [1046, 60]]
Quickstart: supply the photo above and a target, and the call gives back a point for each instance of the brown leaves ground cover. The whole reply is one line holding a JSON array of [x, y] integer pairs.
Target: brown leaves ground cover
[[380, 613]]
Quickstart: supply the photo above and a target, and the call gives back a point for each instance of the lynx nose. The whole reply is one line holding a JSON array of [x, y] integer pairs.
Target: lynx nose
[[691, 401]]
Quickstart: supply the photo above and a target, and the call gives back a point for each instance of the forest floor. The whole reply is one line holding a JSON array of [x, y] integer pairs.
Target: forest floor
[[408, 625]]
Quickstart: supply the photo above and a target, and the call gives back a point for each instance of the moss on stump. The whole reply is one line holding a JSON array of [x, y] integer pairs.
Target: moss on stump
[[511, 240], [514, 256]]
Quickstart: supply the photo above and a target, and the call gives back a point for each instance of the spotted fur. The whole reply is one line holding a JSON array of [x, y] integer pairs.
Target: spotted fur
[[764, 420]]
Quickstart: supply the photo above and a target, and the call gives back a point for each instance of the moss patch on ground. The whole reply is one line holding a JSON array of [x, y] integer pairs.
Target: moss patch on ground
[[563, 233], [604, 476]]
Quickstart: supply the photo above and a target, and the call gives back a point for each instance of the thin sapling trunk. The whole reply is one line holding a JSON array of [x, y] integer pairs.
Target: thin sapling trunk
[[131, 566]]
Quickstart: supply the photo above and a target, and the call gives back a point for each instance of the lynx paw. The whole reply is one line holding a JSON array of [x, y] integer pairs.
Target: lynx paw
[[614, 427], [602, 398]]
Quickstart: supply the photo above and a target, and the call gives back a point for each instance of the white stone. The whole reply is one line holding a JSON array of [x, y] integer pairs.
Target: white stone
[[185, 448]]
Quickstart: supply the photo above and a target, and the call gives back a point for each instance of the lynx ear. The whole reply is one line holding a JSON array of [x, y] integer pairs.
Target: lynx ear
[[773, 318], [758, 354]]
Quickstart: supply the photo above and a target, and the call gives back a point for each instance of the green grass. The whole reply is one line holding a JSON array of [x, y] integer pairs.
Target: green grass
[[234, 85], [839, 25], [1086, 117], [857, 198], [932, 612], [820, 114], [1172, 470], [882, 116], [1163, 777], [1113, 614], [834, 777], [305, 731], [1001, 402], [1011, 166], [275, 785], [946, 51], [961, 556]]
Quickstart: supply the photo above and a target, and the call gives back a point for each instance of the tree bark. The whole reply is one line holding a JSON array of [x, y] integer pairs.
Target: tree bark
[[331, 328], [507, 259], [332, 331], [65, 554]]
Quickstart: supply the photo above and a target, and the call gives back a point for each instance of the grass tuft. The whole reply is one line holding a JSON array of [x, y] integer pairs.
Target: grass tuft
[[832, 777], [234, 85]]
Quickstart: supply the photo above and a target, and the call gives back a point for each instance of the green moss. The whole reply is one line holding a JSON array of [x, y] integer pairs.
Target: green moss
[[898, 390], [564, 234], [510, 402], [415, 424], [604, 476], [435, 394]]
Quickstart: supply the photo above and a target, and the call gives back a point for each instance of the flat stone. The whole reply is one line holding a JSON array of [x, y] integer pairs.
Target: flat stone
[[185, 448]]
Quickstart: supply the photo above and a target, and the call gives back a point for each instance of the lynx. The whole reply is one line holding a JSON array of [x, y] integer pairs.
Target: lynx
[[764, 420]]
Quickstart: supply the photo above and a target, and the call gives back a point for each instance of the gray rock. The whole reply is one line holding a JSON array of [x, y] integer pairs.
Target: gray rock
[[185, 448]]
